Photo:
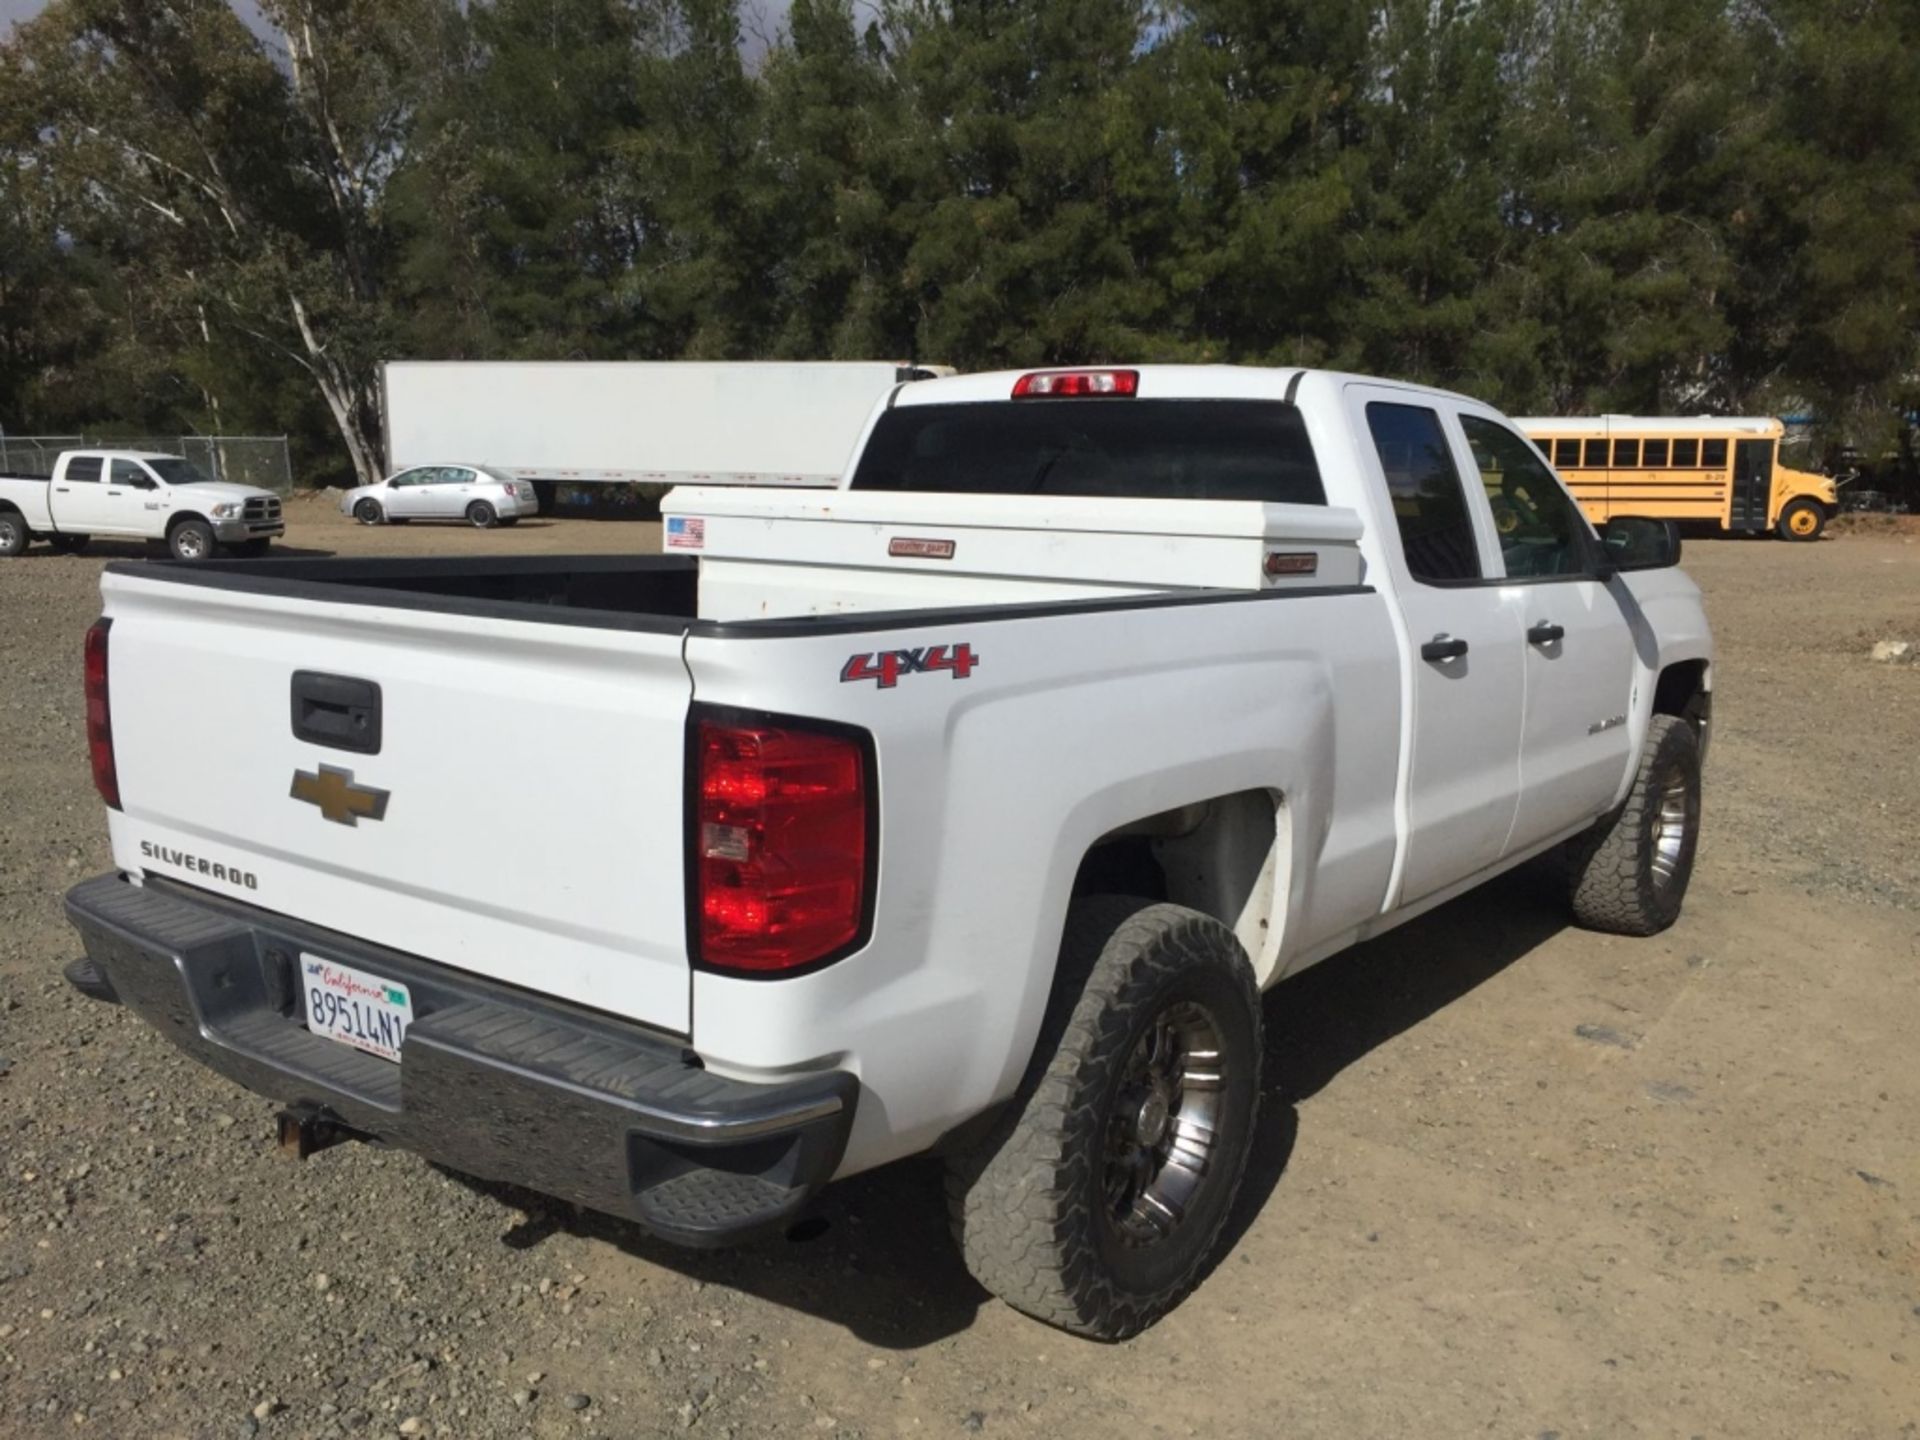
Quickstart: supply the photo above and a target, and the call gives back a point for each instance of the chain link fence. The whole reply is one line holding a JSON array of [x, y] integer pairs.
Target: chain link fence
[[260, 460], [34, 454]]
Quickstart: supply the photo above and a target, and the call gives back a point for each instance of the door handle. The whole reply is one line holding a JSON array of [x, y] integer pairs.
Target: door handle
[[1443, 647], [61, 490], [1546, 633]]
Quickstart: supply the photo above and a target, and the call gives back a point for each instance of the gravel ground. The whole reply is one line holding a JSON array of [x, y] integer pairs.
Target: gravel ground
[[1512, 1179]]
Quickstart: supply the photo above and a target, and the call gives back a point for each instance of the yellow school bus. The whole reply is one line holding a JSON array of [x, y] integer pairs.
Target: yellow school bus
[[1724, 471]]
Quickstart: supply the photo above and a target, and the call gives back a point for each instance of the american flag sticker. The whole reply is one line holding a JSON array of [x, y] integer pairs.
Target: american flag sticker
[[686, 532]]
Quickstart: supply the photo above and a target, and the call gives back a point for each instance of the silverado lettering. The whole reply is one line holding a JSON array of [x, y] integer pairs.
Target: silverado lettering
[[198, 865]]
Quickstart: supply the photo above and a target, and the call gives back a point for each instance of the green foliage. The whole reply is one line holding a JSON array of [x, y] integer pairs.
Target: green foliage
[[1561, 205]]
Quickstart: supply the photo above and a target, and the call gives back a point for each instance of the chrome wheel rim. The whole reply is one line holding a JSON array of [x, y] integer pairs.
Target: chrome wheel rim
[[9, 534], [1672, 823], [1163, 1123], [187, 545]]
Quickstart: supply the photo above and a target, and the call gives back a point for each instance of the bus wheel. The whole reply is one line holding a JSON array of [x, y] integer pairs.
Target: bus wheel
[[1802, 520]]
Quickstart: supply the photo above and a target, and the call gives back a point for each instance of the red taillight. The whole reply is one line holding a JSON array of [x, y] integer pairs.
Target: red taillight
[[106, 779], [780, 844], [1060, 384]]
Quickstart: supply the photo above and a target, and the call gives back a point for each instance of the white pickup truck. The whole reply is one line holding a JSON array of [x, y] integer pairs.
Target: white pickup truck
[[967, 808], [135, 495]]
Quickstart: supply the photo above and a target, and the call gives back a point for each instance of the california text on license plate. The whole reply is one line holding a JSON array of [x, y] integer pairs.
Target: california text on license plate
[[365, 1011]]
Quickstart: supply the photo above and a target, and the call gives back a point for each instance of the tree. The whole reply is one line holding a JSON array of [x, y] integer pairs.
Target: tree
[[250, 191]]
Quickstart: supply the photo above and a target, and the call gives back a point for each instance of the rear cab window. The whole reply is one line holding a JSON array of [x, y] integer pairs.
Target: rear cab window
[[1168, 449]]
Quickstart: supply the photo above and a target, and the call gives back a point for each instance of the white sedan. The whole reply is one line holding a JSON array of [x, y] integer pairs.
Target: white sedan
[[471, 493]]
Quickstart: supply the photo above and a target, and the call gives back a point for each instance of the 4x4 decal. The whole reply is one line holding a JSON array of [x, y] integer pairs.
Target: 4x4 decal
[[885, 667]]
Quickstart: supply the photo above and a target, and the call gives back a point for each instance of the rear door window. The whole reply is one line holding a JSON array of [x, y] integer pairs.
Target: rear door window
[[1429, 500], [83, 469], [1160, 449]]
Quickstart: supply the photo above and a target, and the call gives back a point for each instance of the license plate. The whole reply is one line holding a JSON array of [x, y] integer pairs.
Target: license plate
[[356, 1008]]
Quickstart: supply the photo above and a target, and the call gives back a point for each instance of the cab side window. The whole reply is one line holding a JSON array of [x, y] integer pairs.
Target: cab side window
[[126, 472], [1541, 532], [83, 470], [1429, 500]]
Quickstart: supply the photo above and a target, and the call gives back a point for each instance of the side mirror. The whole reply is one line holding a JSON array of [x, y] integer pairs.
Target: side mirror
[[1634, 542]]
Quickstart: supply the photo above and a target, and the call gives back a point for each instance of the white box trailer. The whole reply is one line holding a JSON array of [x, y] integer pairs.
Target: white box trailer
[[643, 422]]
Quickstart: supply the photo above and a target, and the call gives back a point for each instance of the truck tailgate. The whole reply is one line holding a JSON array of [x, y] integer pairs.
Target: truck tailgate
[[531, 829]]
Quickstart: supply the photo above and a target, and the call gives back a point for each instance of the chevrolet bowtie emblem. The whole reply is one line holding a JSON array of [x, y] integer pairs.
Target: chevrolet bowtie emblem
[[339, 799]]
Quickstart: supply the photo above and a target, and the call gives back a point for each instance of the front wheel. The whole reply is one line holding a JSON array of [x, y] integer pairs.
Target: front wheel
[[368, 512], [481, 515], [1802, 520], [1629, 873], [1098, 1198], [190, 540]]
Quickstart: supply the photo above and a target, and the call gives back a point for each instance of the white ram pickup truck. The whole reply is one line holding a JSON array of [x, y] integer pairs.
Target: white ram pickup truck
[[967, 808], [135, 495]]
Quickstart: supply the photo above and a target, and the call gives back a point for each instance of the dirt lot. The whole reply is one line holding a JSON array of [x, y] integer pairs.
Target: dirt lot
[[1513, 1179]]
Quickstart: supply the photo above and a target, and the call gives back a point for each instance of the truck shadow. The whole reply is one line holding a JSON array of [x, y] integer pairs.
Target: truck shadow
[[876, 1257], [143, 550]]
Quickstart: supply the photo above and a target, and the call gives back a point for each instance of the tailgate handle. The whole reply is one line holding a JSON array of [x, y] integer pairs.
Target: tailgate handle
[[336, 711]]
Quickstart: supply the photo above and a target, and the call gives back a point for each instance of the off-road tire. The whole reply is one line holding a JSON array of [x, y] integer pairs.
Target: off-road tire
[[1802, 520], [482, 516], [191, 540], [1028, 1203], [368, 512], [1614, 869], [68, 544], [14, 534]]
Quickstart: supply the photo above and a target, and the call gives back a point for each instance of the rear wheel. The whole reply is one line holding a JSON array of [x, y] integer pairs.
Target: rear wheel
[[190, 540], [1098, 1198], [13, 534], [368, 512], [1802, 520], [1629, 873], [481, 515], [69, 544]]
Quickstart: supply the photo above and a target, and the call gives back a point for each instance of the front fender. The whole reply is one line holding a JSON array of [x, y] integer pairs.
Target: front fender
[[1669, 624]]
